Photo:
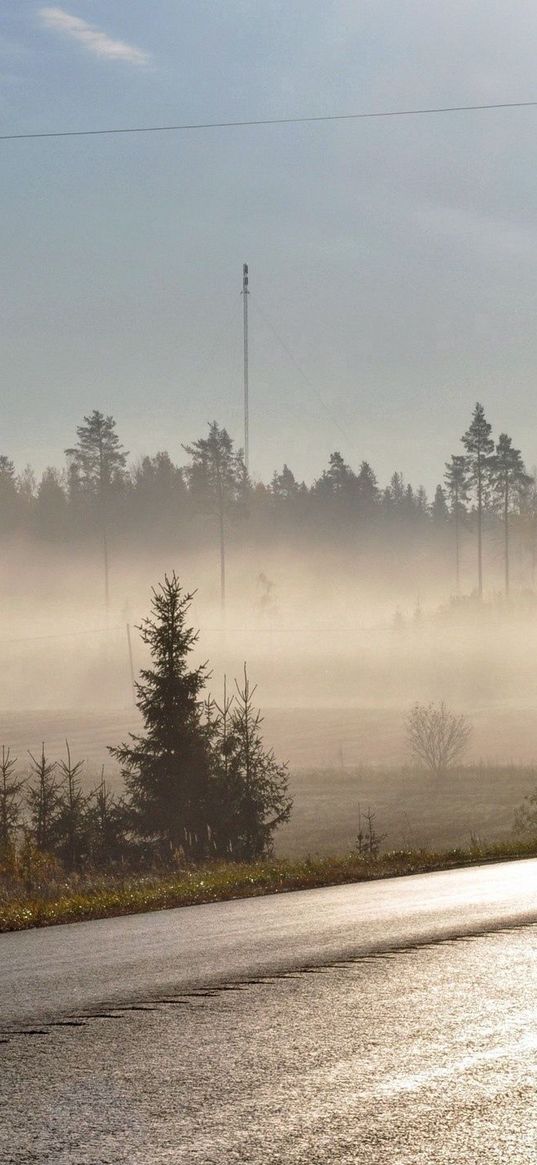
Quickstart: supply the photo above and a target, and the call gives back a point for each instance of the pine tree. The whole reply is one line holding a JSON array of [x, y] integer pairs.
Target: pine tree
[[457, 485], [479, 448], [98, 457], [218, 484], [509, 481], [338, 480], [97, 468], [10, 801], [43, 802], [166, 770]]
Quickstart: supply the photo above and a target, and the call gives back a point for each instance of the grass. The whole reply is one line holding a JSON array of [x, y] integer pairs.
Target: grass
[[412, 809], [80, 899]]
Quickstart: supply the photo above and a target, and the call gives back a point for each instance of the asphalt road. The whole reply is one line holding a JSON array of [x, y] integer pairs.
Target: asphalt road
[[390, 1022]]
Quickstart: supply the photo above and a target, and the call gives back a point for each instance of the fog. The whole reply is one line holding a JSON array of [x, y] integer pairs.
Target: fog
[[319, 633]]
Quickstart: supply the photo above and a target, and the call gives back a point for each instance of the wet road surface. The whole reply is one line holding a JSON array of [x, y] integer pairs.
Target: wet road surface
[[367, 1031]]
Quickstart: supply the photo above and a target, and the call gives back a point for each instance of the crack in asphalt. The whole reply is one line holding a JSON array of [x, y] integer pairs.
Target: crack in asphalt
[[193, 999]]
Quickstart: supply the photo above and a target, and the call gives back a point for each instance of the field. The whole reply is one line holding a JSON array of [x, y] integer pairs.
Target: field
[[339, 759], [410, 811]]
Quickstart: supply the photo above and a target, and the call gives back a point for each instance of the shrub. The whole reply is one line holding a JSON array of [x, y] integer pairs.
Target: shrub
[[437, 737]]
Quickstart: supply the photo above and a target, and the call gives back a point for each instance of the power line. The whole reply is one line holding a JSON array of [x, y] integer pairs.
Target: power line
[[196, 125]]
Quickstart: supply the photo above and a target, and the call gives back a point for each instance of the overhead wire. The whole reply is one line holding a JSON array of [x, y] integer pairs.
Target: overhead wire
[[267, 121]]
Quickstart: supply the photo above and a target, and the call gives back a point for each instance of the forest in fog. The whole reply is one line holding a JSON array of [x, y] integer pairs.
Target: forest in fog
[[204, 498]]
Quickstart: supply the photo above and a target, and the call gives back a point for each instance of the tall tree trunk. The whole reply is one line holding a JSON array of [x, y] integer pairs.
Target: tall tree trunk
[[222, 539], [222, 561], [506, 534], [105, 563], [104, 530], [457, 548], [479, 532]]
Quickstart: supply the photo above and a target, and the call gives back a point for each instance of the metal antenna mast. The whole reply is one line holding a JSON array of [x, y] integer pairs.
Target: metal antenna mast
[[245, 294]]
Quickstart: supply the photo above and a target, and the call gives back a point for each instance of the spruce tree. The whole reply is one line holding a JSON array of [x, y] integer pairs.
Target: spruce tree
[[439, 508], [251, 794], [166, 769], [479, 448], [51, 506], [367, 490], [284, 487], [10, 801], [72, 826], [43, 802], [106, 821]]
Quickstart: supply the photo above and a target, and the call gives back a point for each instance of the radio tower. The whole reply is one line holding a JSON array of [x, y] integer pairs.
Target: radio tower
[[245, 294]]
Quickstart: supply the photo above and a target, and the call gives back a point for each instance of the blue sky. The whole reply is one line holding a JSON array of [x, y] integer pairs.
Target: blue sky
[[396, 260]]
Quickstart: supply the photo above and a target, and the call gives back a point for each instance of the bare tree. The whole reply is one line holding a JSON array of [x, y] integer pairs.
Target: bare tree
[[437, 737]]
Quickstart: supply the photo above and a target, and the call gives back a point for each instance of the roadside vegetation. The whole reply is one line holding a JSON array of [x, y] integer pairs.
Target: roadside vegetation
[[203, 799], [41, 894], [199, 784]]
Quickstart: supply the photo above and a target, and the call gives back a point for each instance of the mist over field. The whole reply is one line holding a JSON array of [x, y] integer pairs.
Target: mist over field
[[349, 602], [331, 634]]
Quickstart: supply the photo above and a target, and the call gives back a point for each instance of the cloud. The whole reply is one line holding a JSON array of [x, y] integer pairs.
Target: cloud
[[92, 38]]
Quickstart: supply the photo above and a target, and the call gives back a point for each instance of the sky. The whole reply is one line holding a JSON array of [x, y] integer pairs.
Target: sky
[[393, 263]]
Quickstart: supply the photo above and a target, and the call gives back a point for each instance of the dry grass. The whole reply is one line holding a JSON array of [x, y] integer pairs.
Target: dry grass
[[79, 899]]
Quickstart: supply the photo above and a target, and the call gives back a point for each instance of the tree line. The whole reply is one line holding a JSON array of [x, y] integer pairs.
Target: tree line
[[209, 500], [199, 782]]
